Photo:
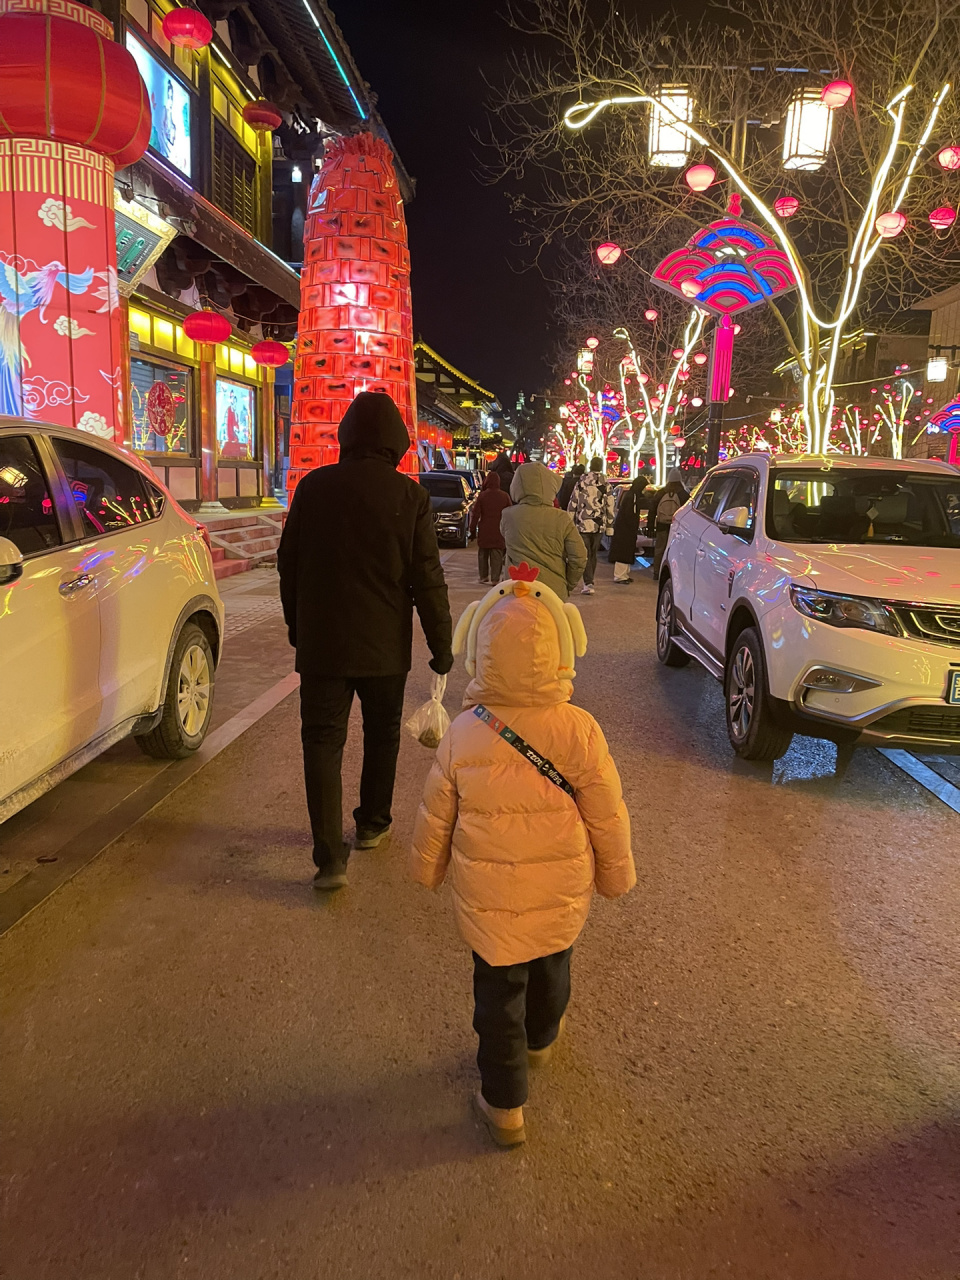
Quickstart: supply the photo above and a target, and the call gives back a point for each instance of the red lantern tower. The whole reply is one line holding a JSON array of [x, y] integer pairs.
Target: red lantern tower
[[356, 323], [72, 108]]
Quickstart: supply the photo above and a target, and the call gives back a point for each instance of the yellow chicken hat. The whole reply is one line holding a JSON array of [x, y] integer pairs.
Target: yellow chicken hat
[[523, 582]]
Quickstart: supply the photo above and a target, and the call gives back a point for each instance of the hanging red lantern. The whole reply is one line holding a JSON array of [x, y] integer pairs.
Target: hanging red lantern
[[836, 94], [890, 224], [187, 28], [207, 326], [593, 343], [270, 353], [700, 176], [943, 218], [700, 358], [786, 206], [608, 253], [949, 158], [262, 116], [650, 314], [678, 353]]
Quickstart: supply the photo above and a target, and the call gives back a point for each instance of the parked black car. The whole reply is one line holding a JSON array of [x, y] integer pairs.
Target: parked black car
[[451, 498]]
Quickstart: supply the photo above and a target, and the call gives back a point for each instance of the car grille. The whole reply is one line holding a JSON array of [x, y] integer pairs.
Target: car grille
[[929, 622], [922, 722]]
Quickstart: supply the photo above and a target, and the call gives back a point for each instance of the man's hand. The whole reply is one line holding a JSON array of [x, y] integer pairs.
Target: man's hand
[[442, 664]]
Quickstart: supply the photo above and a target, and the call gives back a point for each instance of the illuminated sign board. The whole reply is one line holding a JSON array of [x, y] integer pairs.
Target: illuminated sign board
[[141, 238], [170, 103]]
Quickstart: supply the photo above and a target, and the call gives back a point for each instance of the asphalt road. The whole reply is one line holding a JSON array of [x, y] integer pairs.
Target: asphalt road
[[209, 1071]]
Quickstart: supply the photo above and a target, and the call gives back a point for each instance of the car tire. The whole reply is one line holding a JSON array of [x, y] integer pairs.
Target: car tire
[[461, 540], [667, 650], [751, 725], [187, 700]]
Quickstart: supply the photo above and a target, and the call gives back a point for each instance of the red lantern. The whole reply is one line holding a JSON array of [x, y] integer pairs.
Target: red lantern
[[836, 94], [187, 28], [890, 224], [678, 353], [786, 206], [700, 358], [690, 288], [262, 116], [270, 353], [949, 158], [593, 343], [943, 218], [608, 253], [680, 441], [650, 314], [207, 326], [700, 176]]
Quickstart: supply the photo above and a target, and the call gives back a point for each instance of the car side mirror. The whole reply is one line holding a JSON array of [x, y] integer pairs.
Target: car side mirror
[[11, 561], [735, 520]]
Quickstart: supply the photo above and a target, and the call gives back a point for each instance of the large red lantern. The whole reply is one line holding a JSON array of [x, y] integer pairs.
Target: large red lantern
[[890, 224], [207, 326], [949, 158], [942, 219], [700, 176], [786, 206], [262, 116], [608, 253], [187, 28], [274, 354]]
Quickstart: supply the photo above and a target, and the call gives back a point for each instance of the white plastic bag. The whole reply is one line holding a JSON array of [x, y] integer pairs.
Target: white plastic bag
[[431, 722]]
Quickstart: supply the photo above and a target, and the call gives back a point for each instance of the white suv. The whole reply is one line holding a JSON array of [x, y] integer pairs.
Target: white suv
[[110, 618], [825, 593]]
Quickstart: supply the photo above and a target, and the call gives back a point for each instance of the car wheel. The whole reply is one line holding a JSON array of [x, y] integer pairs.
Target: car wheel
[[461, 539], [753, 731], [667, 650], [188, 699]]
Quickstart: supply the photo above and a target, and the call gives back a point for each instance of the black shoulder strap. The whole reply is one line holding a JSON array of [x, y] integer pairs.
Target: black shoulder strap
[[540, 763]]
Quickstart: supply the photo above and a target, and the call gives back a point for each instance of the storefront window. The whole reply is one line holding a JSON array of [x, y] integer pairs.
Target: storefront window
[[236, 419], [161, 407]]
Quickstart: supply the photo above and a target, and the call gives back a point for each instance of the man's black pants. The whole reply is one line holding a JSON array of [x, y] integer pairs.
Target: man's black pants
[[516, 1007], [592, 543], [324, 715]]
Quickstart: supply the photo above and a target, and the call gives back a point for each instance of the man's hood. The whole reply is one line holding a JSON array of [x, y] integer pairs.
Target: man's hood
[[534, 484], [373, 427]]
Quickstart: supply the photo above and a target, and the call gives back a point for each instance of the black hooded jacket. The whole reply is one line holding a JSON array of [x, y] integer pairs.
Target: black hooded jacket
[[358, 551]]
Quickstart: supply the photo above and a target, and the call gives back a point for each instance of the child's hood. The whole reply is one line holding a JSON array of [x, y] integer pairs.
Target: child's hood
[[518, 658]]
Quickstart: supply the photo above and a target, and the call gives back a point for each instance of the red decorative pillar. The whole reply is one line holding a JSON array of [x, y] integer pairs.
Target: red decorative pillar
[[356, 321], [72, 107]]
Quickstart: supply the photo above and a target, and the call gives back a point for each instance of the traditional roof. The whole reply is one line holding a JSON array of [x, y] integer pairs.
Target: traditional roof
[[420, 345]]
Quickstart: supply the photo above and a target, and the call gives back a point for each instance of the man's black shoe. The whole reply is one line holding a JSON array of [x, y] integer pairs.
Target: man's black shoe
[[367, 839]]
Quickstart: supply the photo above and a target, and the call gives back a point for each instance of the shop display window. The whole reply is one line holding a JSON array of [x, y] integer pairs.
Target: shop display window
[[161, 407], [236, 419]]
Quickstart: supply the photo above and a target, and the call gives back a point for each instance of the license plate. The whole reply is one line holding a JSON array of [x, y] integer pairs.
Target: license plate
[[953, 689]]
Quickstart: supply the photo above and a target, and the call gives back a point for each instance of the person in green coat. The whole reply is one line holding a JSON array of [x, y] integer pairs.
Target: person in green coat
[[540, 533]]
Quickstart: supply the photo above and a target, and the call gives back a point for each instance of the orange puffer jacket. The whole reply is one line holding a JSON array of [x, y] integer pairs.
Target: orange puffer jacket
[[523, 856]]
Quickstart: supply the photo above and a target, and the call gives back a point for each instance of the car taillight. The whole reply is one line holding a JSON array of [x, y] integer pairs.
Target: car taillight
[[205, 534]]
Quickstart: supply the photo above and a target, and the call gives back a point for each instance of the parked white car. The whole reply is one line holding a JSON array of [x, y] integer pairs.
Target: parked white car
[[110, 618], [825, 593]]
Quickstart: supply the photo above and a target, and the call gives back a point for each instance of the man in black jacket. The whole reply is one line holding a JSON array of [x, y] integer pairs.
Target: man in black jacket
[[358, 551]]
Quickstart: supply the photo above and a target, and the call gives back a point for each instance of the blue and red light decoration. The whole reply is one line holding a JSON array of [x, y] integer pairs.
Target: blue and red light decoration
[[947, 420]]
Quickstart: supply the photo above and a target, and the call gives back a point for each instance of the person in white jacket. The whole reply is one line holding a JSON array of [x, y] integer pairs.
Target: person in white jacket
[[591, 505]]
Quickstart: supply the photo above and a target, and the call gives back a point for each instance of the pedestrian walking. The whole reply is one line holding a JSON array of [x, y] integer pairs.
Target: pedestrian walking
[[485, 523], [591, 505], [524, 840], [664, 507], [358, 551], [626, 526], [503, 467], [567, 485], [538, 533]]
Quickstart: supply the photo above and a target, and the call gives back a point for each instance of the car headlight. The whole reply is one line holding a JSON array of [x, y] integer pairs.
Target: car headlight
[[450, 517], [843, 611]]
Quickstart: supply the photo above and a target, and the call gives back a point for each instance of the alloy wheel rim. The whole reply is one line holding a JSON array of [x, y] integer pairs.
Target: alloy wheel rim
[[193, 693], [663, 622], [742, 692]]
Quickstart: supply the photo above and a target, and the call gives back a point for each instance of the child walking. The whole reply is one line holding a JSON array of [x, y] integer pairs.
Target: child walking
[[523, 811]]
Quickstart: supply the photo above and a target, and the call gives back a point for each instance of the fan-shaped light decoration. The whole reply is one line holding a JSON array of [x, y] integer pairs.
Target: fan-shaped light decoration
[[943, 218], [262, 116], [187, 28], [274, 354], [593, 343], [700, 358], [690, 288], [949, 158], [650, 314], [890, 224], [700, 176], [207, 326], [836, 94], [608, 253], [786, 206]]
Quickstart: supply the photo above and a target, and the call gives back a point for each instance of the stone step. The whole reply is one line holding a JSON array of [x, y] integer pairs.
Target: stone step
[[218, 554], [227, 568]]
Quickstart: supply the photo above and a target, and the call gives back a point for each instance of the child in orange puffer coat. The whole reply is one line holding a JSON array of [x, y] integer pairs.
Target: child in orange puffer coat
[[523, 809]]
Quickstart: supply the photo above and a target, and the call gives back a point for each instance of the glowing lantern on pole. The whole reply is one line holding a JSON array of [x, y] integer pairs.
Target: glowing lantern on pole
[[786, 206], [608, 253], [949, 158], [690, 288], [262, 116], [273, 354], [593, 343], [699, 177], [700, 358], [187, 28], [207, 326], [890, 224], [943, 218], [836, 94], [650, 314]]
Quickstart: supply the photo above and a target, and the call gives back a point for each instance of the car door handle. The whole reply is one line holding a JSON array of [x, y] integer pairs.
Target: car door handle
[[701, 552], [75, 584]]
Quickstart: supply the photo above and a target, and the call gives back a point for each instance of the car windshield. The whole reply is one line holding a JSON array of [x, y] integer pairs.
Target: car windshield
[[442, 486], [912, 509]]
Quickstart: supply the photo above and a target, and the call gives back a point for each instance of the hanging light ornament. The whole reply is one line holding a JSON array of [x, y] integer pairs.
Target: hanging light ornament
[[187, 28], [949, 158], [593, 343], [608, 253], [700, 358], [836, 94], [697, 401], [262, 116], [644, 378], [890, 225], [677, 353], [690, 288], [942, 219], [273, 354], [700, 176], [207, 326], [650, 314], [786, 206]]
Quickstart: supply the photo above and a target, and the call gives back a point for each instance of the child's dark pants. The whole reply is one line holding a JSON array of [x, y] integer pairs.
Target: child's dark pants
[[517, 1007]]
